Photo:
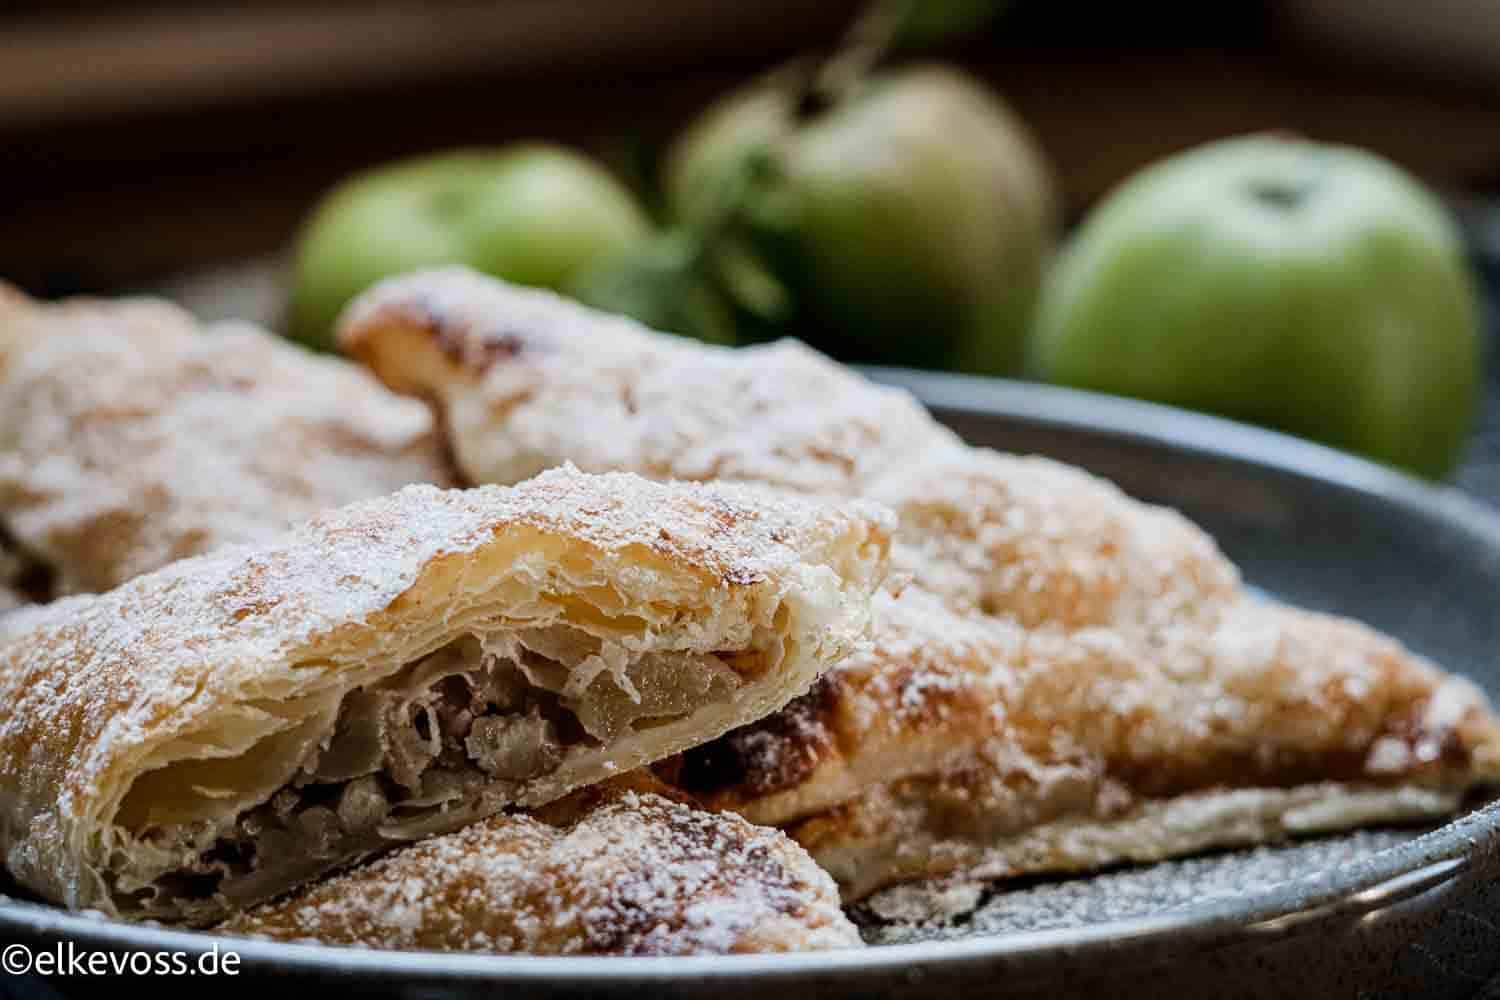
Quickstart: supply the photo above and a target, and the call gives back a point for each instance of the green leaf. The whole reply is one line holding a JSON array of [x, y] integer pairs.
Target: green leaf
[[658, 282]]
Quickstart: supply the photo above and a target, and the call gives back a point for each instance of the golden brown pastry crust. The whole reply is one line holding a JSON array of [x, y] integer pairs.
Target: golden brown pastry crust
[[960, 742], [1063, 662], [568, 384], [131, 436], [616, 869], [187, 696], [1042, 544]]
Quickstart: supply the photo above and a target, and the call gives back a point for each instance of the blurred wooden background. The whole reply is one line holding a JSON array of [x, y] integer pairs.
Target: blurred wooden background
[[140, 139]]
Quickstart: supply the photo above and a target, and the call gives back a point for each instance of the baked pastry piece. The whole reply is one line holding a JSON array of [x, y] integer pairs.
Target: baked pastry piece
[[212, 734], [1068, 678], [613, 869], [959, 743], [131, 436], [525, 380], [1073, 679]]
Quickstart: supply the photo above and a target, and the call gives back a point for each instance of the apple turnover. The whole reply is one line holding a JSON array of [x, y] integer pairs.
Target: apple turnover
[[210, 735], [131, 436], [1068, 678], [525, 380], [620, 868]]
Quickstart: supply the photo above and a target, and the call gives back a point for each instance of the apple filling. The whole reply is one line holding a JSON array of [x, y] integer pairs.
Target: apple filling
[[456, 734]]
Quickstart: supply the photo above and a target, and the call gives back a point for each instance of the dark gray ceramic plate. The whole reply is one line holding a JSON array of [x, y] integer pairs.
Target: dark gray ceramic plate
[[1392, 912]]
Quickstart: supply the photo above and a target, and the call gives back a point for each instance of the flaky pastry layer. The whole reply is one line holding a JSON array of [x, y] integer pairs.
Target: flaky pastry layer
[[1053, 654], [207, 736], [527, 380]]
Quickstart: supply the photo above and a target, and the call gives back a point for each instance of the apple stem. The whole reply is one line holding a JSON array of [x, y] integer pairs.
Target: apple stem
[[868, 41], [1279, 194], [815, 86], [1288, 193]]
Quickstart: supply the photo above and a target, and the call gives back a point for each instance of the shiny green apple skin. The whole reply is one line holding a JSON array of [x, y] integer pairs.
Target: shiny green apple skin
[[910, 224], [533, 214], [1311, 288]]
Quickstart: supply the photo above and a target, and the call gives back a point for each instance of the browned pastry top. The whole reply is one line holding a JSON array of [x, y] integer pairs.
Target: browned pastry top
[[603, 392]]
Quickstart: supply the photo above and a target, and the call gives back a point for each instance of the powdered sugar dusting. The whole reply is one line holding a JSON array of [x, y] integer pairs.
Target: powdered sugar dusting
[[133, 436], [533, 380], [633, 874], [1039, 543], [95, 681], [953, 910], [1060, 649]]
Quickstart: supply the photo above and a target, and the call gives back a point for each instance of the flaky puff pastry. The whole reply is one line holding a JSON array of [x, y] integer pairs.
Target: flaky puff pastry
[[131, 435], [526, 380], [208, 736], [621, 868], [1068, 678], [959, 743]]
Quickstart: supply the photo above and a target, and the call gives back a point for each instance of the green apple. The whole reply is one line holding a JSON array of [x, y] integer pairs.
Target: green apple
[[1312, 288], [533, 214], [909, 223]]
